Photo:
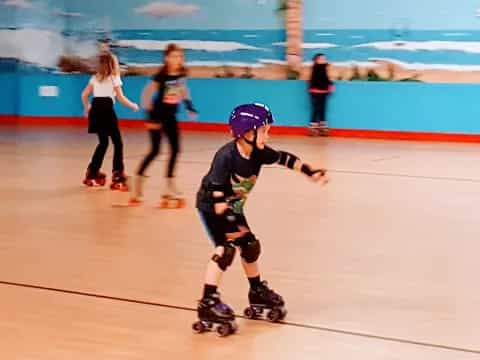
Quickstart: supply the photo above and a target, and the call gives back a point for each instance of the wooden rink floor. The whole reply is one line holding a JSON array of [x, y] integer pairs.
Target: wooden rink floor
[[382, 263]]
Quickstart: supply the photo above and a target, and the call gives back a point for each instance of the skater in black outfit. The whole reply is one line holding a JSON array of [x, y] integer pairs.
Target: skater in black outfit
[[105, 86], [220, 202], [169, 88], [320, 86]]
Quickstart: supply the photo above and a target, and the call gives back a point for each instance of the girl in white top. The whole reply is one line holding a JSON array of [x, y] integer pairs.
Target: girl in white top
[[105, 85]]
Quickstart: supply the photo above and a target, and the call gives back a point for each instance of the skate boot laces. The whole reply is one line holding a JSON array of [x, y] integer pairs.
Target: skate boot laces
[[269, 293], [216, 305]]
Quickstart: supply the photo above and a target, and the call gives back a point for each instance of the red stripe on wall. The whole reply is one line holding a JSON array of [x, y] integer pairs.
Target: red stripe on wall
[[280, 130]]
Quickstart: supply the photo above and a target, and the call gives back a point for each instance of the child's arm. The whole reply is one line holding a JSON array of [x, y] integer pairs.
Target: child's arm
[[117, 65], [85, 94], [188, 102], [124, 100], [291, 161], [117, 86], [147, 95]]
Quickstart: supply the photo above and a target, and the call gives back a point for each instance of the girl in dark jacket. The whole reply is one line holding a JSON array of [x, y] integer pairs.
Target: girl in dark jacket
[[320, 87]]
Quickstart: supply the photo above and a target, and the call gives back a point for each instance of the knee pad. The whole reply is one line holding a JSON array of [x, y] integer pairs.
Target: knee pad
[[250, 248], [226, 259]]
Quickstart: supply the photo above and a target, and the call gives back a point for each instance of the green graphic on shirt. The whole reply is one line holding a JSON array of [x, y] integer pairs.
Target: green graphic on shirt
[[173, 92], [241, 187]]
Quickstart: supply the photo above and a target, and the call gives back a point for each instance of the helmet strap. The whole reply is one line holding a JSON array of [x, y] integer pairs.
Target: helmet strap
[[253, 142]]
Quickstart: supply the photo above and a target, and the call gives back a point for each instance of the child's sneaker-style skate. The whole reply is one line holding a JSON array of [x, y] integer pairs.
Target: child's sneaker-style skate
[[213, 312], [137, 197], [263, 298], [173, 198], [94, 179]]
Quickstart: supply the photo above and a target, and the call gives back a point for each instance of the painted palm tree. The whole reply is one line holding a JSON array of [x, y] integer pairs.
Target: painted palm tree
[[292, 11]]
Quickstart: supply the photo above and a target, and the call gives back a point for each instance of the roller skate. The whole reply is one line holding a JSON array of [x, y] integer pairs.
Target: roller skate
[[119, 181], [314, 129], [323, 128], [262, 299], [173, 198], [318, 129], [94, 178], [137, 198], [212, 312]]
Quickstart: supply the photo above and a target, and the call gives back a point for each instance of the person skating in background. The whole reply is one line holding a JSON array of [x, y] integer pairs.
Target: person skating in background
[[161, 98], [106, 85], [320, 86]]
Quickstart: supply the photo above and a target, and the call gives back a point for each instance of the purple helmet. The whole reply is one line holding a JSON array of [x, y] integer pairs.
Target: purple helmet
[[249, 117]]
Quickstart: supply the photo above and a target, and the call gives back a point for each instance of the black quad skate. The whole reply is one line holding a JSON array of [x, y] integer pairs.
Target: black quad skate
[[94, 179], [262, 299], [212, 312]]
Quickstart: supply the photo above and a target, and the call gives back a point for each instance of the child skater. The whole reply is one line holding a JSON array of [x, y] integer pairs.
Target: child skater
[[169, 88], [220, 201], [320, 86], [105, 85]]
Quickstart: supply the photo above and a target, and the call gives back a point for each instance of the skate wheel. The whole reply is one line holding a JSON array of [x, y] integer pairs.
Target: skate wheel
[[134, 202], [101, 182], [171, 203], [274, 315], [233, 327], [224, 330], [122, 187], [284, 314], [250, 313], [119, 187], [198, 327]]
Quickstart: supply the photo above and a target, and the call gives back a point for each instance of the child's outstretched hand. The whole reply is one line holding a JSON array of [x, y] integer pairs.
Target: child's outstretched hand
[[320, 176], [315, 175], [192, 115], [135, 107]]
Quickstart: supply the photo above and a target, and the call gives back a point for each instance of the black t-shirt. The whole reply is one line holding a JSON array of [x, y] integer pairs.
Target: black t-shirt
[[171, 89], [235, 174]]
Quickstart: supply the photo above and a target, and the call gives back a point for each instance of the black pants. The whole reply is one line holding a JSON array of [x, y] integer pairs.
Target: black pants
[[170, 128], [99, 154], [103, 122], [319, 108]]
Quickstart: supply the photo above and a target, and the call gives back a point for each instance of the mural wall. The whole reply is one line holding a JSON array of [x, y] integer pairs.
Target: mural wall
[[381, 40], [238, 38], [372, 40]]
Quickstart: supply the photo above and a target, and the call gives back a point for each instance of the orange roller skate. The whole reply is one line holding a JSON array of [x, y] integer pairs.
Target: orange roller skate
[[137, 193], [173, 198]]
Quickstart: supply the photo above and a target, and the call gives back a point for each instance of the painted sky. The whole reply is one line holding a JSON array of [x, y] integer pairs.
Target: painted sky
[[240, 14], [385, 14], [146, 14]]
